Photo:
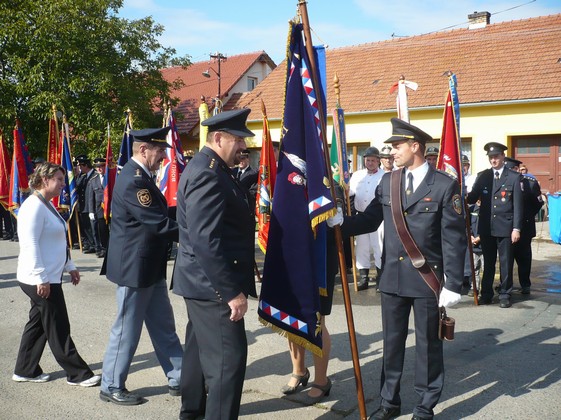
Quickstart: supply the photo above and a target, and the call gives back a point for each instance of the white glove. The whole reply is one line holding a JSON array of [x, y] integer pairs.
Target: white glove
[[337, 219], [448, 298], [92, 216]]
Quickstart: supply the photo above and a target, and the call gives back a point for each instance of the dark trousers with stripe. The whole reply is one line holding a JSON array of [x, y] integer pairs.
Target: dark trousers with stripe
[[48, 322]]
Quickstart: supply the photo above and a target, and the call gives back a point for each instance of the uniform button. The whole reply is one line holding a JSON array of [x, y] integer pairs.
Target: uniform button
[[235, 261], [405, 213], [494, 215], [400, 258], [494, 207], [426, 209]]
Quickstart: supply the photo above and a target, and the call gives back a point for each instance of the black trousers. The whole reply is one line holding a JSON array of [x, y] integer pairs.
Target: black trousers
[[101, 233], [88, 239], [429, 359], [48, 322], [522, 253], [215, 356], [490, 245]]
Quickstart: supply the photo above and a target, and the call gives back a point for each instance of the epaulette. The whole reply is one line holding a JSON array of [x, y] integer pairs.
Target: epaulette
[[440, 171]]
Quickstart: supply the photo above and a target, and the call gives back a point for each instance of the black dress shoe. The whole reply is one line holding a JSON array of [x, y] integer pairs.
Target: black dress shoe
[[416, 417], [174, 391], [385, 413], [7, 237], [362, 285], [525, 290], [122, 397], [485, 301], [88, 251], [100, 254], [505, 303]]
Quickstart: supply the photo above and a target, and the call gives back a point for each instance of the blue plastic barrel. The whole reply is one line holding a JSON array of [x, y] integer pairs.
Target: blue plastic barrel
[[554, 207]]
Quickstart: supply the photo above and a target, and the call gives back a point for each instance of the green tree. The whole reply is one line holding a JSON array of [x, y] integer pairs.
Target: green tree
[[90, 63]]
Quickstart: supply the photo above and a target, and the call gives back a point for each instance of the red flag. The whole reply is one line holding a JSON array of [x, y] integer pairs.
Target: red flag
[[173, 165], [5, 165], [53, 153], [449, 158], [108, 179], [20, 171], [266, 184]]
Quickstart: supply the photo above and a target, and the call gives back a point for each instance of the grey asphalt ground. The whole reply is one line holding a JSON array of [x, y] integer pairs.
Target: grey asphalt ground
[[503, 364]]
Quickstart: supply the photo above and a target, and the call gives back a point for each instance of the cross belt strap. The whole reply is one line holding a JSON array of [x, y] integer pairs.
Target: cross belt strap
[[417, 258]]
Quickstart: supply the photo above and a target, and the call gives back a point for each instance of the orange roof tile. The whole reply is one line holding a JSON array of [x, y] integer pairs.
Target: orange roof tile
[[508, 61], [196, 85]]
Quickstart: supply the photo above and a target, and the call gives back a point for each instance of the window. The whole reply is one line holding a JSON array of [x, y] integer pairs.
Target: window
[[251, 83], [532, 146]]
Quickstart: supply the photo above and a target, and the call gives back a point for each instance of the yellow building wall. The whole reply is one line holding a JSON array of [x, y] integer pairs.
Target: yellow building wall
[[481, 124]]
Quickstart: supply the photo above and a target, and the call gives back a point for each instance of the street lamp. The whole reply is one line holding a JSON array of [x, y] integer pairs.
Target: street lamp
[[219, 57]]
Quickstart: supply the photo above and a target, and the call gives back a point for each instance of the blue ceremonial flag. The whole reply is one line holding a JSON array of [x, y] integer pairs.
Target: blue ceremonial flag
[[69, 195], [294, 270], [126, 145]]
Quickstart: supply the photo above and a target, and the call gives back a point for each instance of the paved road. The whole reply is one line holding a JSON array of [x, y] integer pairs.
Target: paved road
[[504, 363]]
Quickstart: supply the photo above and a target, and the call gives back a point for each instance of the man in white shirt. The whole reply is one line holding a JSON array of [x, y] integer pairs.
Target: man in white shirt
[[363, 186]]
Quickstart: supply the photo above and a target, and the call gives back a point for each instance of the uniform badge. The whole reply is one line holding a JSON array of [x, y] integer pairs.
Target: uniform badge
[[212, 163], [457, 203], [144, 197], [137, 173]]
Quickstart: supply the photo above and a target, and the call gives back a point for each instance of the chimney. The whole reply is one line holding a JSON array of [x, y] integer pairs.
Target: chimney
[[479, 20]]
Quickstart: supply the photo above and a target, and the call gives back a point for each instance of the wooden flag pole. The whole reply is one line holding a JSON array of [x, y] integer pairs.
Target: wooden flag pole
[[337, 230], [337, 89]]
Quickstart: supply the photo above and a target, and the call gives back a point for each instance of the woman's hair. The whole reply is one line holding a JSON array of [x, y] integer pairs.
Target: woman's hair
[[44, 170]]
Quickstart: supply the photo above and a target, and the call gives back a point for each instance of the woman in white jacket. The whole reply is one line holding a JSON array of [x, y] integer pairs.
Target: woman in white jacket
[[43, 258]]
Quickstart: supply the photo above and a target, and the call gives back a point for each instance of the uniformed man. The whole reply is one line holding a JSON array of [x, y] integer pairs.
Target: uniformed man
[[469, 179], [362, 186], [500, 221], [386, 158], [214, 270], [136, 262], [86, 173], [431, 156], [433, 211], [94, 203], [533, 202], [247, 176]]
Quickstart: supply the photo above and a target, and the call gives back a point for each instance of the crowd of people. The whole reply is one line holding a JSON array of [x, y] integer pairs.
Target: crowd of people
[[402, 206]]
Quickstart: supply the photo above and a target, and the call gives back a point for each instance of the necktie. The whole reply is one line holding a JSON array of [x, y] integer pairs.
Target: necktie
[[239, 174], [409, 189], [496, 174]]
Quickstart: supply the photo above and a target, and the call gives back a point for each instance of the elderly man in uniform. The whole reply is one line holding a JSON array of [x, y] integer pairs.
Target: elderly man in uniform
[[386, 158], [433, 210], [362, 187], [214, 270], [500, 221], [532, 202], [136, 261]]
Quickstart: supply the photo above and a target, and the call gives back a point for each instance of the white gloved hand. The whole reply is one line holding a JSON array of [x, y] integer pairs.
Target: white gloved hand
[[337, 219], [448, 298], [92, 216]]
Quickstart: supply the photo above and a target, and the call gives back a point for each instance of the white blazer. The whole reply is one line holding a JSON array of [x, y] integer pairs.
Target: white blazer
[[42, 244]]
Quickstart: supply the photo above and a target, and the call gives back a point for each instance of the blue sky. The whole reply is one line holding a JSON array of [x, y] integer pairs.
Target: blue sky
[[231, 27]]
